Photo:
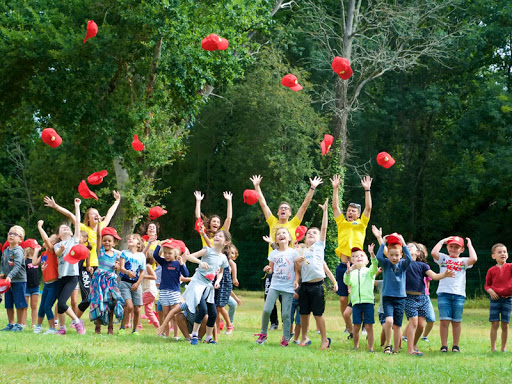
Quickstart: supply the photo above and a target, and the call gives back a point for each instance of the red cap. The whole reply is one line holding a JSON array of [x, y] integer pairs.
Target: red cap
[[4, 285], [291, 82], [394, 239], [110, 231], [29, 243], [326, 144], [145, 237], [300, 232], [198, 225], [156, 212], [342, 68], [85, 192], [213, 43], [137, 144], [456, 240], [251, 196], [356, 249], [97, 177], [384, 159], [77, 253], [51, 137], [173, 243], [92, 30]]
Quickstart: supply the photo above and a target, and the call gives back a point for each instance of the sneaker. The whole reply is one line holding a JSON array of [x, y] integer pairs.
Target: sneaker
[[9, 327], [404, 338], [51, 331], [425, 339], [121, 332], [350, 336], [194, 340], [80, 327], [364, 332], [296, 342], [61, 331], [38, 329], [273, 327], [211, 341], [317, 332], [229, 330], [261, 338], [135, 333], [284, 342], [17, 328]]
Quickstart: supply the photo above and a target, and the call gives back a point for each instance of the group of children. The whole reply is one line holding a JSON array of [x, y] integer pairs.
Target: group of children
[[119, 283]]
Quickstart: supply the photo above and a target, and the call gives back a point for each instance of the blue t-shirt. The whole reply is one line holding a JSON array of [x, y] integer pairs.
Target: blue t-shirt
[[171, 271], [414, 277], [135, 262], [283, 274], [393, 275], [107, 262]]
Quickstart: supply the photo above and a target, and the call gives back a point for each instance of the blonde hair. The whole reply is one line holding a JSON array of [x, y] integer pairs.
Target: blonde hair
[[138, 237], [290, 243], [19, 230], [87, 217], [497, 245], [28, 252]]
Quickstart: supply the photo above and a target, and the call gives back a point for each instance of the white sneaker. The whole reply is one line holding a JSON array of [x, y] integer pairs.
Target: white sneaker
[[363, 332], [51, 331], [38, 329]]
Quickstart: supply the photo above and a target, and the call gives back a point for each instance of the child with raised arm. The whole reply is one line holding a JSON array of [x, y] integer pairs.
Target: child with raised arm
[[393, 286], [498, 286], [312, 272], [351, 234], [361, 281], [212, 223], [32, 249], [451, 293]]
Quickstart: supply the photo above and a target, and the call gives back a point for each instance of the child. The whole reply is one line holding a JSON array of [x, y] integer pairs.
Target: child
[[223, 294], [104, 295], [31, 250], [312, 271], [361, 281], [50, 271], [282, 265], [233, 300], [393, 288], [150, 292], [451, 293], [212, 224], [12, 269], [68, 273], [133, 268], [497, 285]]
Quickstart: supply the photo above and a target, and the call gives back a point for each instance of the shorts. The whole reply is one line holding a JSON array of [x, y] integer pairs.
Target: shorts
[[394, 307], [127, 294], [31, 291], [168, 298], [499, 310], [16, 296], [416, 306], [342, 287], [450, 306], [312, 298], [431, 314], [159, 306], [382, 318], [366, 309], [77, 287]]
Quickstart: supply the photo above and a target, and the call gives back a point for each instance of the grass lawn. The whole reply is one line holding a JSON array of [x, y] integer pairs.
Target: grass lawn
[[31, 358]]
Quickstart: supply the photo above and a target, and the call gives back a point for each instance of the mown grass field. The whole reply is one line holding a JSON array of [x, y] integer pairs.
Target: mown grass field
[[29, 358]]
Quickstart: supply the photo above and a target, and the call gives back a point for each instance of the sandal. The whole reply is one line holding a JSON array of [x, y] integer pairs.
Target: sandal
[[388, 350], [455, 348], [416, 352], [444, 349]]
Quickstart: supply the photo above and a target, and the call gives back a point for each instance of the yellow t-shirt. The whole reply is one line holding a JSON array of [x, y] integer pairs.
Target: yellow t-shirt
[[350, 234], [152, 248], [274, 225], [91, 233]]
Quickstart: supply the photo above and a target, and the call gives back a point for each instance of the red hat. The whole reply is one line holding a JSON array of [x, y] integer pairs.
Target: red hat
[[456, 240], [97, 177], [137, 144], [77, 253], [326, 144], [356, 249], [92, 30], [29, 243], [251, 196], [384, 159], [394, 239], [51, 137], [85, 192], [300, 232], [214, 43], [4, 285], [172, 243], [291, 82], [156, 212], [342, 68], [199, 224], [110, 231], [145, 237]]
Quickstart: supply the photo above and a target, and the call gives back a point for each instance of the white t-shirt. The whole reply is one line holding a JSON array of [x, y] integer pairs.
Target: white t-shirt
[[283, 274], [457, 284], [313, 267], [65, 268]]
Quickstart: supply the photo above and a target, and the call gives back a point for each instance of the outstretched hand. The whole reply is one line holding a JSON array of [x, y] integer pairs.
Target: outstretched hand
[[117, 195], [228, 195], [336, 181], [324, 206], [256, 180], [377, 232], [49, 202], [366, 182], [315, 182], [199, 196]]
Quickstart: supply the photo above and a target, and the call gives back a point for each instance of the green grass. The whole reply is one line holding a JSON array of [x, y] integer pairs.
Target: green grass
[[30, 358]]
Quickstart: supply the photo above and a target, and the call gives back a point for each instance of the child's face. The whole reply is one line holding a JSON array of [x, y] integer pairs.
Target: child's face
[[232, 253], [282, 236], [65, 230], [454, 250], [394, 255], [219, 238], [313, 235], [359, 259], [413, 250], [500, 255], [14, 237], [108, 242], [132, 241], [170, 254], [151, 230]]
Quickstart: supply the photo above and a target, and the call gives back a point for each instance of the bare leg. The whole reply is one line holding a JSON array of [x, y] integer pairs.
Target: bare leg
[[320, 325], [397, 335], [504, 336], [21, 314], [428, 328], [494, 334], [297, 332], [343, 307], [419, 331], [165, 325], [356, 328], [411, 328], [136, 316], [128, 309], [74, 301], [456, 329], [34, 299], [382, 336], [386, 327], [369, 332], [304, 325], [443, 331]]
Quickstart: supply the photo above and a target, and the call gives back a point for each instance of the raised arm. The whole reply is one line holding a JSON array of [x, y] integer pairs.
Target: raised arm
[[472, 253], [325, 220], [193, 257], [199, 197], [77, 219], [36, 258], [50, 202], [315, 182], [336, 180], [112, 209], [256, 180], [366, 182], [438, 276], [330, 276], [44, 235], [229, 215], [437, 248]]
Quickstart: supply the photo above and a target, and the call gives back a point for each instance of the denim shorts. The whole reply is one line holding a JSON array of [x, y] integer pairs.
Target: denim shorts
[[342, 287], [450, 306], [394, 307], [31, 291], [367, 309], [382, 318], [431, 314], [499, 310], [126, 292], [295, 312], [16, 296]]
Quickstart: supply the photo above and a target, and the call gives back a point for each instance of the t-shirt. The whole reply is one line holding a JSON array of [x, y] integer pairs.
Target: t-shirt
[[414, 277], [500, 280], [135, 262], [13, 264], [32, 274], [313, 267], [457, 284], [65, 268], [49, 266], [92, 239], [107, 262], [350, 234], [171, 272], [274, 225], [283, 274], [215, 262], [393, 274]]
